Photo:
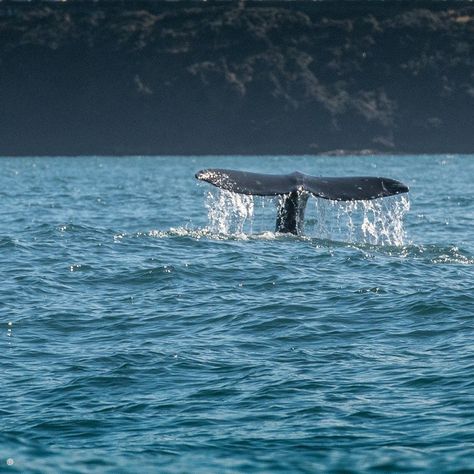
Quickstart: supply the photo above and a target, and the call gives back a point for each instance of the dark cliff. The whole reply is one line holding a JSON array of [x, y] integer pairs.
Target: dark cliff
[[247, 77]]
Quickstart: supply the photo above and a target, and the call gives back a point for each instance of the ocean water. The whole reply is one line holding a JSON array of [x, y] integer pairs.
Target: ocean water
[[150, 323]]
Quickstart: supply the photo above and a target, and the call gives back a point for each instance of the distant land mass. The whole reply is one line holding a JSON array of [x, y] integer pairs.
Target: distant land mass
[[244, 77]]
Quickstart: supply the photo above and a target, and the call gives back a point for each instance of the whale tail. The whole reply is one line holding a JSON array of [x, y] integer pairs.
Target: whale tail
[[296, 187]]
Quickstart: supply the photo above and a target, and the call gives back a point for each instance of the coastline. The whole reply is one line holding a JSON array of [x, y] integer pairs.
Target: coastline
[[239, 78]]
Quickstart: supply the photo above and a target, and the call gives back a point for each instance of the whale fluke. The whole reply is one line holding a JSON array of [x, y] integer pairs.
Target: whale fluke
[[353, 188], [295, 188]]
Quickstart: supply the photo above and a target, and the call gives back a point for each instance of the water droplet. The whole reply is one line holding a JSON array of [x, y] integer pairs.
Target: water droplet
[[228, 212]]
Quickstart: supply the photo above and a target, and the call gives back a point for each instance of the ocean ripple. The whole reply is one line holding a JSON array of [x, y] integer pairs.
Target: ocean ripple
[[140, 334]]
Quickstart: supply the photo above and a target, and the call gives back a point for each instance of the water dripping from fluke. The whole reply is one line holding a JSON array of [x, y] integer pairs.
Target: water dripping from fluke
[[375, 222], [347, 197]]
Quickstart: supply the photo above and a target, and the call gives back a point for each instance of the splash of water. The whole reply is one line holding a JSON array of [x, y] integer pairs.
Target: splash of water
[[377, 222], [228, 212]]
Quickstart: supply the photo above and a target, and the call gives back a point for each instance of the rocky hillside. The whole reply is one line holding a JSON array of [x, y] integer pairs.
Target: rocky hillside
[[243, 77]]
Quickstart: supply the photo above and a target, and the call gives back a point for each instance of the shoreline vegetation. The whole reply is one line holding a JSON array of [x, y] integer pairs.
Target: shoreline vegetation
[[240, 78]]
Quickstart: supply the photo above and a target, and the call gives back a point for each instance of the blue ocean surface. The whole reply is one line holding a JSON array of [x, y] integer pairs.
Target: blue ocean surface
[[151, 323]]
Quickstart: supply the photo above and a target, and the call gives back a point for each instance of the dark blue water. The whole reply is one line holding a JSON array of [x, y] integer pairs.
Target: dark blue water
[[149, 326]]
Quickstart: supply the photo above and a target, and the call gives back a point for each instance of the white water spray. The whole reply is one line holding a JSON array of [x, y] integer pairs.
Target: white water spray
[[228, 212], [376, 222]]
